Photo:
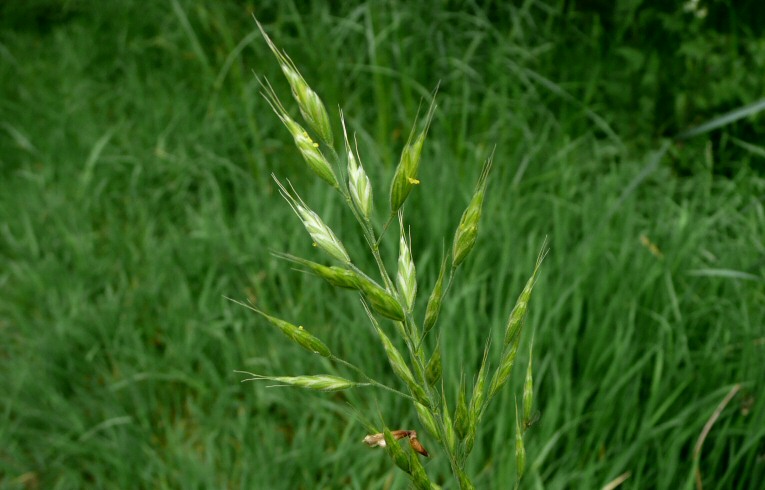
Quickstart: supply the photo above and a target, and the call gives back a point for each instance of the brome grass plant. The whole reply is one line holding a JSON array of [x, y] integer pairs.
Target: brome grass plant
[[389, 296], [135, 175]]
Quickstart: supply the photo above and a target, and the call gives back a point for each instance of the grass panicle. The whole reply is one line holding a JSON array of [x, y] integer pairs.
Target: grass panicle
[[395, 299], [136, 152]]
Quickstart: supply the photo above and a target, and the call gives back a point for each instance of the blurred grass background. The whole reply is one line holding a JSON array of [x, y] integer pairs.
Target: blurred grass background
[[136, 152]]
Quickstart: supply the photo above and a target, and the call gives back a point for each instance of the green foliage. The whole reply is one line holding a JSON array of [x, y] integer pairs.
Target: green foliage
[[674, 65], [135, 155]]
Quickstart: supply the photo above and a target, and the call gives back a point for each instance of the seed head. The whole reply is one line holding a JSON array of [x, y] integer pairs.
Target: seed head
[[528, 391], [313, 111], [505, 367], [360, 187], [426, 417], [299, 335], [476, 407], [476, 401], [434, 368], [418, 476], [461, 417], [464, 480], [336, 276], [321, 234], [400, 367], [405, 177], [311, 107], [520, 450], [513, 329], [451, 437], [395, 451], [315, 158], [319, 382], [307, 147], [381, 300], [358, 183], [518, 315], [467, 230]]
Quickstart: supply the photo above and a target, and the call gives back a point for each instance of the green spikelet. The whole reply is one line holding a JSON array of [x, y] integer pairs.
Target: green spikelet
[[513, 330], [418, 476], [451, 436], [467, 230], [426, 417], [464, 480], [434, 302], [381, 301], [311, 107], [405, 177], [406, 279], [434, 368], [520, 450], [461, 417], [313, 157], [476, 406], [336, 276], [299, 335], [528, 390], [318, 382], [396, 452], [401, 369]]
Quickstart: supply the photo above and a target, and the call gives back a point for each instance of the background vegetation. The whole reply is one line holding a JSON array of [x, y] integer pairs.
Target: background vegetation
[[135, 154]]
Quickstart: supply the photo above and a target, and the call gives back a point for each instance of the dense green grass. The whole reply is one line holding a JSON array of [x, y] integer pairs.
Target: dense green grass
[[135, 154]]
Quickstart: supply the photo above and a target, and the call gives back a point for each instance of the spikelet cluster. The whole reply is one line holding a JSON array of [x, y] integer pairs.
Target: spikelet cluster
[[416, 365]]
